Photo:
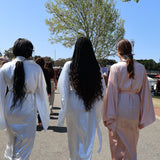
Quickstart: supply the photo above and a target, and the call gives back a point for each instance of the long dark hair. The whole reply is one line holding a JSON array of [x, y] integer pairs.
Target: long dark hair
[[22, 47], [49, 67], [124, 48], [85, 75]]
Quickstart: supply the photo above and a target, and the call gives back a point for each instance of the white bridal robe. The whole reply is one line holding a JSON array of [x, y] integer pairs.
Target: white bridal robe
[[20, 120], [81, 125], [128, 107]]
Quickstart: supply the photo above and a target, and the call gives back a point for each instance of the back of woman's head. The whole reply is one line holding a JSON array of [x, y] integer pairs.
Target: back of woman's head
[[48, 65], [22, 47], [85, 75], [124, 48], [41, 62]]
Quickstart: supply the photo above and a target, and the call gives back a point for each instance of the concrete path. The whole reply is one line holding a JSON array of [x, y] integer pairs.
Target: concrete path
[[53, 145]]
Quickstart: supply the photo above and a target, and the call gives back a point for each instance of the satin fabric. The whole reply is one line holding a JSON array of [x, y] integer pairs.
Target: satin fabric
[[19, 121], [128, 107], [81, 125]]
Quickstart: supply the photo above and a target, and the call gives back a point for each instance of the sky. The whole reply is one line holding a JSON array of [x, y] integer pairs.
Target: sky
[[26, 19]]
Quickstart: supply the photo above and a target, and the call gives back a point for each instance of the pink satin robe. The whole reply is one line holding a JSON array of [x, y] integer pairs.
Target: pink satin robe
[[128, 107]]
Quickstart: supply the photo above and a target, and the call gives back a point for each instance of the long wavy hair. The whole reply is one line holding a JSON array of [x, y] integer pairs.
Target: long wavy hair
[[22, 47], [124, 48], [85, 75]]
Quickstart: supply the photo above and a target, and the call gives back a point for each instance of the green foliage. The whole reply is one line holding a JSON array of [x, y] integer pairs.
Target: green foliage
[[158, 66], [150, 64], [95, 19], [130, 0], [36, 57], [9, 54], [48, 59]]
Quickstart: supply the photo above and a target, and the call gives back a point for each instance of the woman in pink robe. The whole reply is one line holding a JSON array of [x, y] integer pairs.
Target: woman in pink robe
[[128, 104]]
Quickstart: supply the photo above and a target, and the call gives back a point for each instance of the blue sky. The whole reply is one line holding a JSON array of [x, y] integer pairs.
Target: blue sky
[[26, 19]]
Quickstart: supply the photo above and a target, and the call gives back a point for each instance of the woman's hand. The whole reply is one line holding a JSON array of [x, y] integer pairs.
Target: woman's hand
[[105, 123]]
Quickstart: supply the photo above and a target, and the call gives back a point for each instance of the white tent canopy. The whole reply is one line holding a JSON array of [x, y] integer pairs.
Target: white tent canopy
[[150, 79], [152, 83]]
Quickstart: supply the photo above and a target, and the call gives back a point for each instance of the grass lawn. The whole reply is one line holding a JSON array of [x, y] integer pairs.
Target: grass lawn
[[156, 101]]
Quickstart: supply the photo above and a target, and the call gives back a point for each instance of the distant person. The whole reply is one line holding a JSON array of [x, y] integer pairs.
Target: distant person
[[40, 61], [53, 81], [3, 60], [158, 86], [57, 72], [128, 104], [82, 88], [105, 78], [18, 108]]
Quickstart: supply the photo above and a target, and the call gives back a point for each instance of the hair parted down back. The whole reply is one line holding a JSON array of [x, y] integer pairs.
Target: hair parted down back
[[22, 47], [85, 75], [124, 48]]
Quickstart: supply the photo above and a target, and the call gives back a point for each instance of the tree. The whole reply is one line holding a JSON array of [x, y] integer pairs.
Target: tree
[[36, 57], [158, 66], [48, 59], [95, 19], [130, 0], [149, 64], [60, 62], [9, 54]]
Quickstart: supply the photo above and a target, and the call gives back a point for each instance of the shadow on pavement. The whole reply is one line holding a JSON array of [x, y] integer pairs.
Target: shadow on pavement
[[56, 108], [58, 129], [53, 117], [54, 114], [54, 128]]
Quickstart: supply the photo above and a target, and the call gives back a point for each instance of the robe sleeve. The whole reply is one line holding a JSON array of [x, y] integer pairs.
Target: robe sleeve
[[110, 101], [41, 99], [2, 100], [147, 115], [63, 88]]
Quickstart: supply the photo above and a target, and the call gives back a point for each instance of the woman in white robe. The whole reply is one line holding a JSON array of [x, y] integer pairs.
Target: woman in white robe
[[128, 104], [88, 87], [18, 115]]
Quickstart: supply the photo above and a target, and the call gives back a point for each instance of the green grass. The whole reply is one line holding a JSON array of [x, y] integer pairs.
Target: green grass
[[156, 101]]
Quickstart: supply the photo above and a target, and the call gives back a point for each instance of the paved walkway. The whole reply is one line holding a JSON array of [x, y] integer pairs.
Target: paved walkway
[[52, 145], [157, 112]]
